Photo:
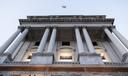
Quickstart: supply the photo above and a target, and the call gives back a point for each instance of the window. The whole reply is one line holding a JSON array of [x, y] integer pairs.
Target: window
[[37, 43], [95, 43], [103, 54], [65, 43], [29, 57], [65, 55]]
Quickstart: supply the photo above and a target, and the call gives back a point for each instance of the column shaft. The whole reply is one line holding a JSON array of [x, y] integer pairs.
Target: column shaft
[[120, 37], [119, 46], [9, 41], [13, 47], [52, 41], [88, 41], [43, 41], [79, 41]]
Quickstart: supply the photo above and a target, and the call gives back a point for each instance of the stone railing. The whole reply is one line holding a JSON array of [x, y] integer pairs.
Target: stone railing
[[42, 73], [116, 64], [66, 63], [16, 63], [105, 63]]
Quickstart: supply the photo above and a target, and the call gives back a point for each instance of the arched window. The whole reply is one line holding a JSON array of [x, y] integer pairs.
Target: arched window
[[65, 54]]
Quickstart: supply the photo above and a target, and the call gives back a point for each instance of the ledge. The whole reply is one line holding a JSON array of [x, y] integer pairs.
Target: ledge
[[42, 54], [64, 20], [65, 68]]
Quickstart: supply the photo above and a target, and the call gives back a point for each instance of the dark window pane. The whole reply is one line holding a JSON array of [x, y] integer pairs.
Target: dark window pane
[[95, 43], [65, 43], [29, 57], [37, 43]]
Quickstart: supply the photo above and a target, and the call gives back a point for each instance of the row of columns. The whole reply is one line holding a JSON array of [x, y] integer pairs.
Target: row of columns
[[51, 43], [44, 40], [108, 33], [122, 51], [53, 38], [80, 42], [120, 37], [115, 41], [78, 39], [13, 47], [13, 42], [9, 41]]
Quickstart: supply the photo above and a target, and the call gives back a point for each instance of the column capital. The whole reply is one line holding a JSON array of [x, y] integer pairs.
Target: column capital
[[27, 27], [80, 26], [109, 27]]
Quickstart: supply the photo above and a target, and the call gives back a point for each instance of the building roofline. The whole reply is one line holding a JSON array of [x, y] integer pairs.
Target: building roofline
[[56, 20], [68, 16]]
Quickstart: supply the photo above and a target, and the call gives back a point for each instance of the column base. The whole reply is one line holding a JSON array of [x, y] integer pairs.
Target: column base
[[5, 58], [45, 58], [125, 58], [90, 58]]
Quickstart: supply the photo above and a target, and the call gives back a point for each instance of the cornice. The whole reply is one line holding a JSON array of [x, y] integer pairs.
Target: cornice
[[60, 20]]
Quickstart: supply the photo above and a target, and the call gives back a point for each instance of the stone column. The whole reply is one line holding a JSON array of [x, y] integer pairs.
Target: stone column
[[79, 41], [52, 41], [120, 37], [13, 47], [9, 41], [92, 57], [119, 46], [88, 41], [43, 41], [45, 57]]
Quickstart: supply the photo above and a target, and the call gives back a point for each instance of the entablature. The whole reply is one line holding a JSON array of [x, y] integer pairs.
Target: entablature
[[67, 20], [67, 16], [65, 25]]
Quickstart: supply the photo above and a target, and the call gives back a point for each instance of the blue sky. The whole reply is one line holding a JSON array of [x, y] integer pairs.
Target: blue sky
[[12, 10]]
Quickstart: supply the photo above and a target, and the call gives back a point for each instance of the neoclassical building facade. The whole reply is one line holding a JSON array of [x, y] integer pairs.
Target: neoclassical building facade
[[65, 45]]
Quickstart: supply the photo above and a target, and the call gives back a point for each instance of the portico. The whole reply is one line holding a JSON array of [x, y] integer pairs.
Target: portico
[[74, 40]]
